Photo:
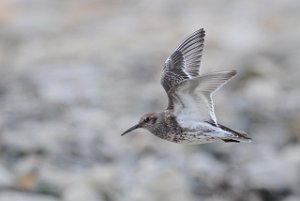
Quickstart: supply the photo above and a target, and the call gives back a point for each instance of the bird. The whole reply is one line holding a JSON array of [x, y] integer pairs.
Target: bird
[[190, 116]]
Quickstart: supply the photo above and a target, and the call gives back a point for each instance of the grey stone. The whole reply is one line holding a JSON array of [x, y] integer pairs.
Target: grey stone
[[20, 196], [79, 192]]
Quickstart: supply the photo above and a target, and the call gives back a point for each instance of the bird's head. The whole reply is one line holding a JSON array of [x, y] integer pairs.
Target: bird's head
[[147, 121]]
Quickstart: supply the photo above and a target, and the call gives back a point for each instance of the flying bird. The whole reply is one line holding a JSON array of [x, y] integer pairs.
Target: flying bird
[[190, 117]]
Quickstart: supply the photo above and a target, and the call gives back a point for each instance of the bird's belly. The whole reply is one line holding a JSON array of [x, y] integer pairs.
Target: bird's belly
[[191, 132], [195, 138], [198, 133]]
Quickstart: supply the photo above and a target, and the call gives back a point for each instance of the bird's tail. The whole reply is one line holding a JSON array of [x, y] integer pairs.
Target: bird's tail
[[236, 136]]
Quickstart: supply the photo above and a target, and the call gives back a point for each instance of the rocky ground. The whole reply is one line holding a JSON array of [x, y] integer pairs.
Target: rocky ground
[[75, 74]]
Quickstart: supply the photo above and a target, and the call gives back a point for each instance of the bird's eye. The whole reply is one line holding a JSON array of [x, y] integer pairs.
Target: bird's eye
[[147, 119]]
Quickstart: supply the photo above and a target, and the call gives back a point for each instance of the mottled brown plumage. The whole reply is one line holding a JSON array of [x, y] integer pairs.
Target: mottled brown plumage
[[189, 117]]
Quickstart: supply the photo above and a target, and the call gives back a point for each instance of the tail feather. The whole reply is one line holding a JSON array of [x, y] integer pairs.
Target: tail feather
[[238, 136]]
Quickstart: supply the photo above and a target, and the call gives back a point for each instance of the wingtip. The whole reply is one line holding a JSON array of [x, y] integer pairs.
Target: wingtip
[[230, 73], [233, 72], [201, 31], [245, 140], [243, 137], [239, 135], [238, 140]]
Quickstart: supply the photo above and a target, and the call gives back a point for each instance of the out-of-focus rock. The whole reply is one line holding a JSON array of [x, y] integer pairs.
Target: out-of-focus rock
[[80, 192], [6, 177], [53, 178], [168, 184], [205, 171], [18, 196], [104, 179], [272, 171], [291, 198], [219, 198], [293, 125]]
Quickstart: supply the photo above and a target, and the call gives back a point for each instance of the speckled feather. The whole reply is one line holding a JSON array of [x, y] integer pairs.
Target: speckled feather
[[190, 117], [184, 62]]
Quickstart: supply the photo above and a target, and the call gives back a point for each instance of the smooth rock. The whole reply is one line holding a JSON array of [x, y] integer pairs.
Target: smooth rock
[[80, 192], [19, 196]]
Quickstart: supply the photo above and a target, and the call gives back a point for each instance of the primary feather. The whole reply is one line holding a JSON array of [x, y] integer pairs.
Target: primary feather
[[184, 62]]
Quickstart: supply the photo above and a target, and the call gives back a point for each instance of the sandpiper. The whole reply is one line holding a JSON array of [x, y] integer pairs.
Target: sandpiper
[[190, 117]]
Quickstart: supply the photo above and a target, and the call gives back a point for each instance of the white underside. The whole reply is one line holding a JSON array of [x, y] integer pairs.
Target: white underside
[[196, 132]]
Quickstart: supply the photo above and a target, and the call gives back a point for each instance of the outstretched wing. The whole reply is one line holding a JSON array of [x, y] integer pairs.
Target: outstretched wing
[[184, 63], [191, 100]]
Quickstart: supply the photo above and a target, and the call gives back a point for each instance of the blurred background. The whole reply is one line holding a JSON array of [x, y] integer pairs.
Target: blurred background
[[75, 74]]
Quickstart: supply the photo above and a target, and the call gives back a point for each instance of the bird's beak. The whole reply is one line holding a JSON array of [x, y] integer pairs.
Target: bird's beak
[[131, 129]]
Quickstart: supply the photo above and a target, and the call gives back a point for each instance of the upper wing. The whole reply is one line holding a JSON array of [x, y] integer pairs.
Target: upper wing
[[191, 100], [184, 63]]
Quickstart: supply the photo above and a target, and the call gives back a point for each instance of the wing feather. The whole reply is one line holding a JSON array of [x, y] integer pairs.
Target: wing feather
[[184, 62], [192, 99]]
